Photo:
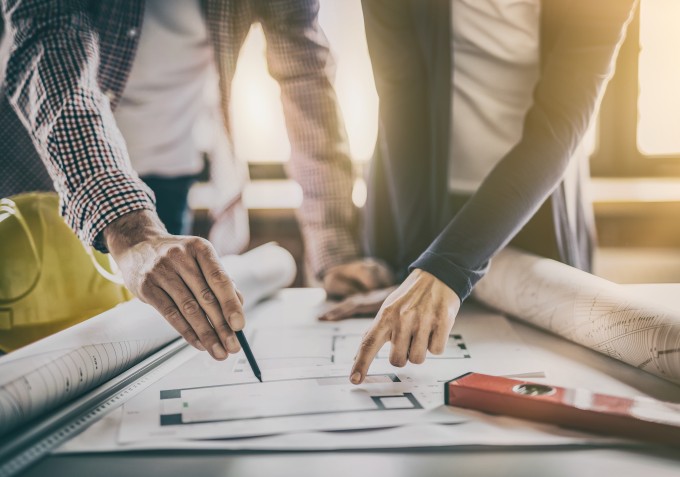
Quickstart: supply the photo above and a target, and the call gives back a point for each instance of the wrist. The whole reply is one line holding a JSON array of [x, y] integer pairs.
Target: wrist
[[432, 282], [131, 229]]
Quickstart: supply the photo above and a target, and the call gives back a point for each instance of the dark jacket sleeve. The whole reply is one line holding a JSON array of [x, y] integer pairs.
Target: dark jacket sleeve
[[573, 79], [401, 220]]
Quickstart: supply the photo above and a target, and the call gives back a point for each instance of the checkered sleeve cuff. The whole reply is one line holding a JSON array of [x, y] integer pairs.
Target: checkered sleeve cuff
[[327, 247], [103, 198]]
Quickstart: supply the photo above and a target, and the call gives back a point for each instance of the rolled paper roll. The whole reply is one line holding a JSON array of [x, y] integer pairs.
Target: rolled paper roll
[[586, 309], [261, 272]]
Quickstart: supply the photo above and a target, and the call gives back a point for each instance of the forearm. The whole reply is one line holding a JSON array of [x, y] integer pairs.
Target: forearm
[[51, 83], [130, 229], [320, 163], [505, 201], [300, 60]]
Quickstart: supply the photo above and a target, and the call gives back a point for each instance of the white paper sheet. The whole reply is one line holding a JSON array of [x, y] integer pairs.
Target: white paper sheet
[[474, 429], [305, 367], [284, 335], [59, 368]]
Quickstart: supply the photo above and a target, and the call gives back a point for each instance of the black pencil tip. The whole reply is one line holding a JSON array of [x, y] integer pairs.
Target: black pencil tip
[[258, 377]]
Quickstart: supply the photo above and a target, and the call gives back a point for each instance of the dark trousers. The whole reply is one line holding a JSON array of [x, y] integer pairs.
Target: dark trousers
[[172, 203]]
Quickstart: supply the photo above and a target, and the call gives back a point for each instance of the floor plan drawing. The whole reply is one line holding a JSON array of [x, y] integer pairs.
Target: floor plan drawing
[[305, 369], [301, 397], [310, 346], [293, 404]]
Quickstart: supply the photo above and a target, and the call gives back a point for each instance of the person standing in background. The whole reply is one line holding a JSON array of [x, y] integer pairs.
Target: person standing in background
[[88, 86], [483, 107], [163, 98]]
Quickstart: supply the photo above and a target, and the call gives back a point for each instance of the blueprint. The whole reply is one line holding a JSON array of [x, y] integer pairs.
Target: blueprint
[[324, 345], [604, 316], [305, 366], [38, 378]]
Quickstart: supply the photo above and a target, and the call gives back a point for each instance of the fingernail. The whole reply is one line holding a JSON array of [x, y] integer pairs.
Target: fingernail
[[199, 346], [218, 351], [236, 321], [232, 345], [356, 377]]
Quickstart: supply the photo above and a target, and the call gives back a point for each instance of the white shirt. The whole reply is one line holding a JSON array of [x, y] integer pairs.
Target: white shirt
[[164, 95], [496, 64]]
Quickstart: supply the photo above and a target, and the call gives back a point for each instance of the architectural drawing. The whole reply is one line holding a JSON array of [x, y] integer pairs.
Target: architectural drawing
[[299, 397], [305, 367], [36, 379], [314, 345]]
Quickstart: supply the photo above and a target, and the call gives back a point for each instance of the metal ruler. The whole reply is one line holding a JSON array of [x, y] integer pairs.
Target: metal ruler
[[26, 446]]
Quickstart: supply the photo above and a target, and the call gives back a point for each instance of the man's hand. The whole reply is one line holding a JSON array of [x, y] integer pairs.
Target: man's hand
[[361, 304], [359, 276], [181, 277], [416, 317]]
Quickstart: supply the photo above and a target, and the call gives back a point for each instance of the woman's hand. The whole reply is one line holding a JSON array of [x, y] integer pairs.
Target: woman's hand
[[417, 317]]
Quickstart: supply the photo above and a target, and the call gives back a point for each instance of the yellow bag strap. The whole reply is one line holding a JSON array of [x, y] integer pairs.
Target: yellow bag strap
[[111, 276], [9, 208]]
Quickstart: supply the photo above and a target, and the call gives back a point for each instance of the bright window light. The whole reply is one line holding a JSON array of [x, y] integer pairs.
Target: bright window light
[[257, 116], [659, 76]]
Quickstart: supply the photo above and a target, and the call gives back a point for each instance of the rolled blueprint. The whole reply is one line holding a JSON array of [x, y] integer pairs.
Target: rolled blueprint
[[61, 367], [261, 272], [586, 309]]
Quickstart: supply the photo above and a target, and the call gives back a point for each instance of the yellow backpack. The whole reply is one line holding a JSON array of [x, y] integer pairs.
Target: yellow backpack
[[48, 279]]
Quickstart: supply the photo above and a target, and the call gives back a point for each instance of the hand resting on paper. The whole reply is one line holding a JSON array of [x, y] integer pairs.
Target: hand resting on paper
[[416, 317], [182, 278], [361, 305], [358, 276]]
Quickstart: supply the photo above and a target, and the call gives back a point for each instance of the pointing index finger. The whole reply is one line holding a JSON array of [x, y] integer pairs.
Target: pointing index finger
[[370, 345], [222, 287]]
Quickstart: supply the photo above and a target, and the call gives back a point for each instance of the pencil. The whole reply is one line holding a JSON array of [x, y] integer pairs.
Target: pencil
[[249, 354]]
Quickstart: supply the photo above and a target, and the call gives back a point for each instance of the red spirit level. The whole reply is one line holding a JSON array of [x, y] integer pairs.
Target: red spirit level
[[637, 418]]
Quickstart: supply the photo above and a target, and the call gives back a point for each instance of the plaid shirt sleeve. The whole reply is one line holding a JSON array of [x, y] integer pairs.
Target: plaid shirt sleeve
[[51, 82], [299, 59]]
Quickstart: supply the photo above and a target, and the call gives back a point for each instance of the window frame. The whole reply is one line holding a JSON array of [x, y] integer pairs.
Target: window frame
[[617, 153]]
